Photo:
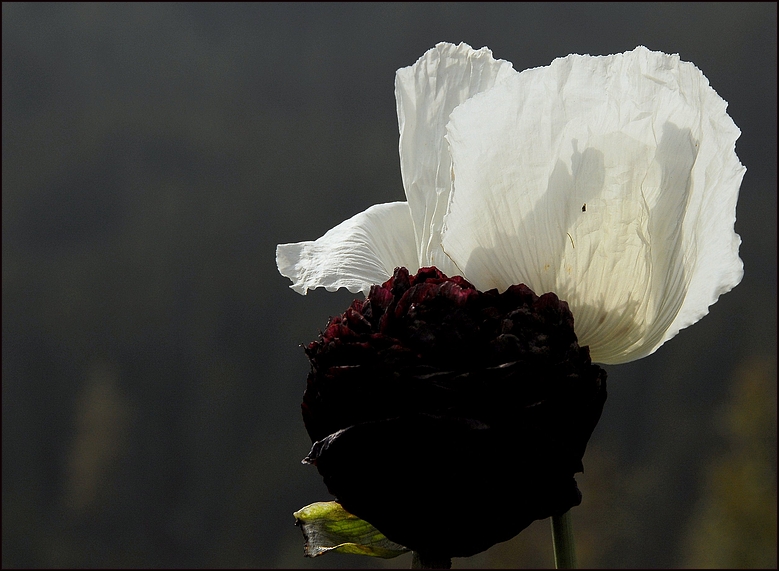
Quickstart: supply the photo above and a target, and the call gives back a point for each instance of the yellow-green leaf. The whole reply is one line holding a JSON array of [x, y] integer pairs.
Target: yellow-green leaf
[[327, 527]]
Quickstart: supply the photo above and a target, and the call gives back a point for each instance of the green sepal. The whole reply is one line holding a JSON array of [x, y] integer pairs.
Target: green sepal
[[327, 527]]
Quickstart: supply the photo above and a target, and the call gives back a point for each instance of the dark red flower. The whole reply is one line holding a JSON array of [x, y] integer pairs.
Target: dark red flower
[[450, 418]]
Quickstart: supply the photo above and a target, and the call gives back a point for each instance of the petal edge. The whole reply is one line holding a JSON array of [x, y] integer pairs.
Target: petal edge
[[359, 252]]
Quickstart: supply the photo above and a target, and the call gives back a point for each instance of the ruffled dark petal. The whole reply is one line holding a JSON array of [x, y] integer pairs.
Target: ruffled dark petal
[[449, 418]]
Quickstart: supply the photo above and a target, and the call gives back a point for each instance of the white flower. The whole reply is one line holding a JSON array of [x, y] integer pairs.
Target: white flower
[[611, 181]]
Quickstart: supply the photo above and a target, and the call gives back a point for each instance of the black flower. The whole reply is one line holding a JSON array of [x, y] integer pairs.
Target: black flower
[[450, 418]]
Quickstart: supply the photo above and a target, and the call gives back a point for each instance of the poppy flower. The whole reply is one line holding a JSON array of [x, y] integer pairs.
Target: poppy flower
[[448, 418], [611, 181], [452, 406]]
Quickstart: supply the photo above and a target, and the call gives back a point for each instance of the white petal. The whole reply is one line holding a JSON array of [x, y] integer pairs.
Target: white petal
[[426, 94], [640, 139], [356, 254]]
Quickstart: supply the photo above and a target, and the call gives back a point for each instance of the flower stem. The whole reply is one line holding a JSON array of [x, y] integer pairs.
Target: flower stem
[[421, 562], [562, 541]]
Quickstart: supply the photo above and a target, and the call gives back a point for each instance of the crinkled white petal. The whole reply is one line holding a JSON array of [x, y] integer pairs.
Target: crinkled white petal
[[426, 94], [356, 254], [611, 181]]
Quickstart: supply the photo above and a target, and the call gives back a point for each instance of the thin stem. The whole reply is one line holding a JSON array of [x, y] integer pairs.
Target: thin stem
[[421, 562], [562, 540]]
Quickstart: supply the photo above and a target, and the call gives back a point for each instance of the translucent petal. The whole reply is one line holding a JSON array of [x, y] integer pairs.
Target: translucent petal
[[356, 254], [426, 94], [611, 181]]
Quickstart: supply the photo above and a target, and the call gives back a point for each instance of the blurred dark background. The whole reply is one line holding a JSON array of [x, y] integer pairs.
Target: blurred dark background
[[153, 157]]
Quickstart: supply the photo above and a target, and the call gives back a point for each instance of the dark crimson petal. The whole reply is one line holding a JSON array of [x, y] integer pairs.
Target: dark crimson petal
[[446, 487], [430, 395]]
